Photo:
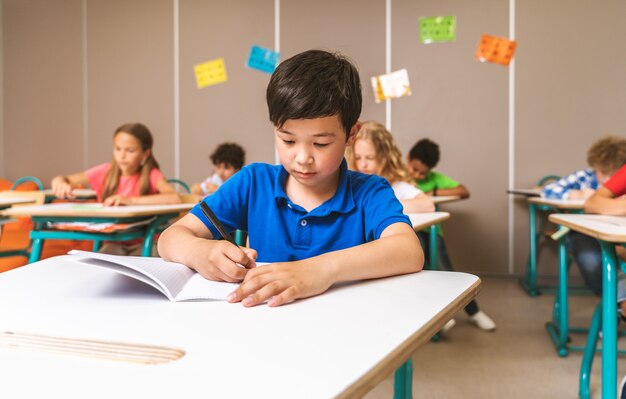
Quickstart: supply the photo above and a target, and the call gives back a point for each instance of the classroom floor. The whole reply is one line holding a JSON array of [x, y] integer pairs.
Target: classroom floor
[[518, 360]]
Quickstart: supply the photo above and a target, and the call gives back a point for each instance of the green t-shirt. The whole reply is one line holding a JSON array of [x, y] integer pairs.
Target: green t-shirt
[[436, 180]]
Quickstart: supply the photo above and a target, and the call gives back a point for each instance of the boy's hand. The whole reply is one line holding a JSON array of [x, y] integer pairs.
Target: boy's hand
[[223, 261], [281, 283]]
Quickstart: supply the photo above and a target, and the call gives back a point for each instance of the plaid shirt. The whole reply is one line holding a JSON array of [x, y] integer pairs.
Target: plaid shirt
[[579, 180]]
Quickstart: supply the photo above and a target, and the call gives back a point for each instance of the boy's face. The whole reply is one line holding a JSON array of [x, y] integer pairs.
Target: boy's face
[[418, 169], [311, 150], [224, 170]]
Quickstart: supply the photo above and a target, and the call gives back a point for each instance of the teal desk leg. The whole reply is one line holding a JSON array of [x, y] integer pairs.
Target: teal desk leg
[[529, 283], [403, 381], [559, 327], [35, 251], [150, 231], [96, 245], [588, 354], [609, 321], [432, 251]]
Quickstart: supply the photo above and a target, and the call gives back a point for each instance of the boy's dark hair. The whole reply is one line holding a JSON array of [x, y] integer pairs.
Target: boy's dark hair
[[315, 84], [425, 151], [230, 154]]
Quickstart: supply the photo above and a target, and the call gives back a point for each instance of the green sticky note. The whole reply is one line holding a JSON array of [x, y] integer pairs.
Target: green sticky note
[[437, 29]]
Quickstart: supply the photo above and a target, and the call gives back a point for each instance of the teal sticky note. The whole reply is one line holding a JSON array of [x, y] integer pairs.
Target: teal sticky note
[[263, 59], [437, 29]]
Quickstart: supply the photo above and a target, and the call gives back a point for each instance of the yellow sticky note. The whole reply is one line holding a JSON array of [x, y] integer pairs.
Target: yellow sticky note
[[210, 73]]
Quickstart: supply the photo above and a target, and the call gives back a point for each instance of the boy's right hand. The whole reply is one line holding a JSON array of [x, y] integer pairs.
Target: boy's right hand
[[223, 261], [61, 188]]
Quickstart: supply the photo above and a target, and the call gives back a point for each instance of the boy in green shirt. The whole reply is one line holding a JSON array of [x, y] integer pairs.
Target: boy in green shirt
[[422, 158]]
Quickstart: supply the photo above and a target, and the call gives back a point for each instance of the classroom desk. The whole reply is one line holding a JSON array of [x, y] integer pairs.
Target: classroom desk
[[608, 230], [423, 220], [338, 344], [80, 194], [529, 281], [444, 199], [526, 192], [7, 202], [72, 212]]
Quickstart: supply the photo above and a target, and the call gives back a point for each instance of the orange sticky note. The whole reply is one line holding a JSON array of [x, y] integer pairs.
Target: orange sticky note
[[498, 50]]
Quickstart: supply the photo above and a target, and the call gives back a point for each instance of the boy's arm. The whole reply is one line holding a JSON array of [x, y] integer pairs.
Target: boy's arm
[[604, 202], [421, 203], [397, 251], [189, 242], [459, 190]]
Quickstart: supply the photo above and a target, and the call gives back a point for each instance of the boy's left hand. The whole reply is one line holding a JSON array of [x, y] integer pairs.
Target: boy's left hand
[[281, 283]]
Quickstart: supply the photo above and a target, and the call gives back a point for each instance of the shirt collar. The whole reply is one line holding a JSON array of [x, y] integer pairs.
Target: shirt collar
[[341, 202]]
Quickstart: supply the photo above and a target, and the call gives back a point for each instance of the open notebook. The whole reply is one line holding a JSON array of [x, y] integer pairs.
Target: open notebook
[[176, 281]]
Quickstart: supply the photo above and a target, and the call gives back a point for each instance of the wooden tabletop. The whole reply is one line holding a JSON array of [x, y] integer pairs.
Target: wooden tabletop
[[442, 199], [81, 193], [422, 220], [337, 344], [6, 202], [528, 192], [603, 227], [573, 204], [95, 210]]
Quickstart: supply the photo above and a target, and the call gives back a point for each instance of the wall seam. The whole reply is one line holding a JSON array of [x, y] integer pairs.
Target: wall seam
[[511, 179]]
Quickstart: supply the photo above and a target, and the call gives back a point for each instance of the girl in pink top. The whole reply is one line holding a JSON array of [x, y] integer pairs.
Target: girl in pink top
[[132, 178]]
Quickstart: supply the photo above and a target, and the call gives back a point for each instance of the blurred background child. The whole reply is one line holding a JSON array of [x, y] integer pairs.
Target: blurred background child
[[228, 159]]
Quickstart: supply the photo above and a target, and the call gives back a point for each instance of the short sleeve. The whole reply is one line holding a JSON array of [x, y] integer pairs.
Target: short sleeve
[[96, 177], [617, 183], [381, 208], [444, 182], [155, 177]]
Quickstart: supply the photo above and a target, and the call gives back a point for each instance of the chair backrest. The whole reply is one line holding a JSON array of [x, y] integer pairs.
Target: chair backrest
[[26, 179], [548, 179], [180, 183]]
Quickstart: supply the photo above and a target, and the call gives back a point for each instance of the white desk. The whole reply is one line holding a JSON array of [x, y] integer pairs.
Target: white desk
[[80, 194], [608, 230], [444, 199], [527, 192], [338, 344], [94, 212], [7, 202]]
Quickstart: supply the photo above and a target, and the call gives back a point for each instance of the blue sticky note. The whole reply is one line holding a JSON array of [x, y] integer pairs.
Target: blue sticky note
[[263, 59]]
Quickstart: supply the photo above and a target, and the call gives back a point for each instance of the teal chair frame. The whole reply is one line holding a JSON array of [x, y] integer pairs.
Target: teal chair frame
[[26, 179], [181, 183]]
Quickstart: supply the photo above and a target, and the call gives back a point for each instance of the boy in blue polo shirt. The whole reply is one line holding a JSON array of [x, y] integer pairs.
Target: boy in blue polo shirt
[[313, 220]]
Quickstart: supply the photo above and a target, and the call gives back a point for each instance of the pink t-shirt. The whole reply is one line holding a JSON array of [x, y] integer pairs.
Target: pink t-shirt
[[129, 185]]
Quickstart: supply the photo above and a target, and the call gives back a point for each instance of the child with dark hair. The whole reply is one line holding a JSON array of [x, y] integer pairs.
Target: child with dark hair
[[228, 159], [422, 158], [314, 221]]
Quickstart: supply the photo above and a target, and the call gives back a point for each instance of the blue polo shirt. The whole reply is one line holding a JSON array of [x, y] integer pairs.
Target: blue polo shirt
[[254, 200]]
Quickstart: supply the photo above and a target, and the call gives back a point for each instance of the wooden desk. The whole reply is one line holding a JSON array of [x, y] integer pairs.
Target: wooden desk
[[529, 281], [444, 199], [421, 221], [338, 344], [80, 194], [93, 212], [608, 230], [7, 202], [526, 192]]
